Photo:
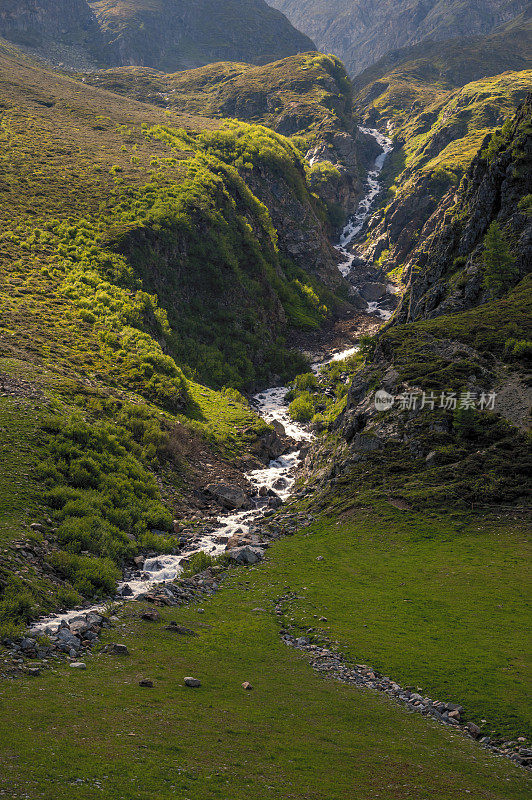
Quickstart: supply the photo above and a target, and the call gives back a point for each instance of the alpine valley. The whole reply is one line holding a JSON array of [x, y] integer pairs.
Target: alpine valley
[[265, 394]]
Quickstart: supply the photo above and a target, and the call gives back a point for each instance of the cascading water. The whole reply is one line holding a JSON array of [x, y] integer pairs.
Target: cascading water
[[271, 405]]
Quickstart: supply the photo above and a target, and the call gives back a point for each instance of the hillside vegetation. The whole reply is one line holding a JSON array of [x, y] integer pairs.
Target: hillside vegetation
[[295, 95], [137, 259]]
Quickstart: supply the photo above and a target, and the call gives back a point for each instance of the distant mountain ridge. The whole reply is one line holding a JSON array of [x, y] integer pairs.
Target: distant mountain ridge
[[163, 34], [360, 32]]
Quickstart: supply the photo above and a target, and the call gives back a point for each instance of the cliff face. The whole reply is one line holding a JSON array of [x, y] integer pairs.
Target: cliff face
[[165, 34], [362, 31], [450, 335], [450, 259], [62, 30], [434, 147]]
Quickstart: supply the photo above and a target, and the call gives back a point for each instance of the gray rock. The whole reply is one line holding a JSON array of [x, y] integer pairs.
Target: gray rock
[[232, 497], [473, 729], [432, 459], [146, 684], [118, 650], [246, 554], [180, 629], [66, 640], [150, 616], [194, 683], [78, 665], [371, 292]]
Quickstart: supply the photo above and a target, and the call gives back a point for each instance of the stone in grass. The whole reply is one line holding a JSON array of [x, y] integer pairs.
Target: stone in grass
[[473, 729], [175, 628], [78, 665], [247, 686], [118, 650], [146, 683], [194, 683], [150, 616]]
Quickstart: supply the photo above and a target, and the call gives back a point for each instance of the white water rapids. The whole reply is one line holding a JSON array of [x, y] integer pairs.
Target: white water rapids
[[271, 405]]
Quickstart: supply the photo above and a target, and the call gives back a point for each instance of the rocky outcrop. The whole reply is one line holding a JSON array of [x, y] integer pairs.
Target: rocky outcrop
[[63, 31], [449, 260], [433, 185]]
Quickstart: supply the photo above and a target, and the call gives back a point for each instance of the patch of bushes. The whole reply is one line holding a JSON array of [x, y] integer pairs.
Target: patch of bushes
[[101, 493], [302, 408]]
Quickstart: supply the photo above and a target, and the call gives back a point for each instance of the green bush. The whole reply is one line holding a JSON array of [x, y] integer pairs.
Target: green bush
[[302, 409], [306, 382], [92, 577]]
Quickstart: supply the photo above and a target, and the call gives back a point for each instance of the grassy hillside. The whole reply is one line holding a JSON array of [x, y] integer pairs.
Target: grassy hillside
[[295, 95], [123, 229]]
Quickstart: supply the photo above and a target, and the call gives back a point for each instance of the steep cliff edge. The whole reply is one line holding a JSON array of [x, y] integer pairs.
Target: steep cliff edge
[[454, 366]]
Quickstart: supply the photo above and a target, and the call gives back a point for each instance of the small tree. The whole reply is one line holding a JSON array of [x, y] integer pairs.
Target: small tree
[[499, 263]]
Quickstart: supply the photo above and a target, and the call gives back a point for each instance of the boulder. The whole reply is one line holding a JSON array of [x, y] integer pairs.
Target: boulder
[[146, 684], [180, 629], [150, 616], [194, 683], [246, 554], [118, 650], [232, 497], [66, 641], [371, 292], [78, 665], [473, 729]]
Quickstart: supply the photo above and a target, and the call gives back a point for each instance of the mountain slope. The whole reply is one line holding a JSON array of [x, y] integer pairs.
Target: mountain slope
[[308, 96], [436, 142], [407, 80], [362, 31], [62, 30], [147, 242], [165, 34]]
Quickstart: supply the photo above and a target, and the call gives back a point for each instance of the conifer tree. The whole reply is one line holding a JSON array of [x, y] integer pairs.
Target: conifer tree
[[499, 263]]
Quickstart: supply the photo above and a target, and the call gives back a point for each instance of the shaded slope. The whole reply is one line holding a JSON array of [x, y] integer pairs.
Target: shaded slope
[[174, 34]]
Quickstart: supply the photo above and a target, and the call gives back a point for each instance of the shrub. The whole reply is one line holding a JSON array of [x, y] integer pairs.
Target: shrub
[[306, 382], [89, 576], [302, 408]]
